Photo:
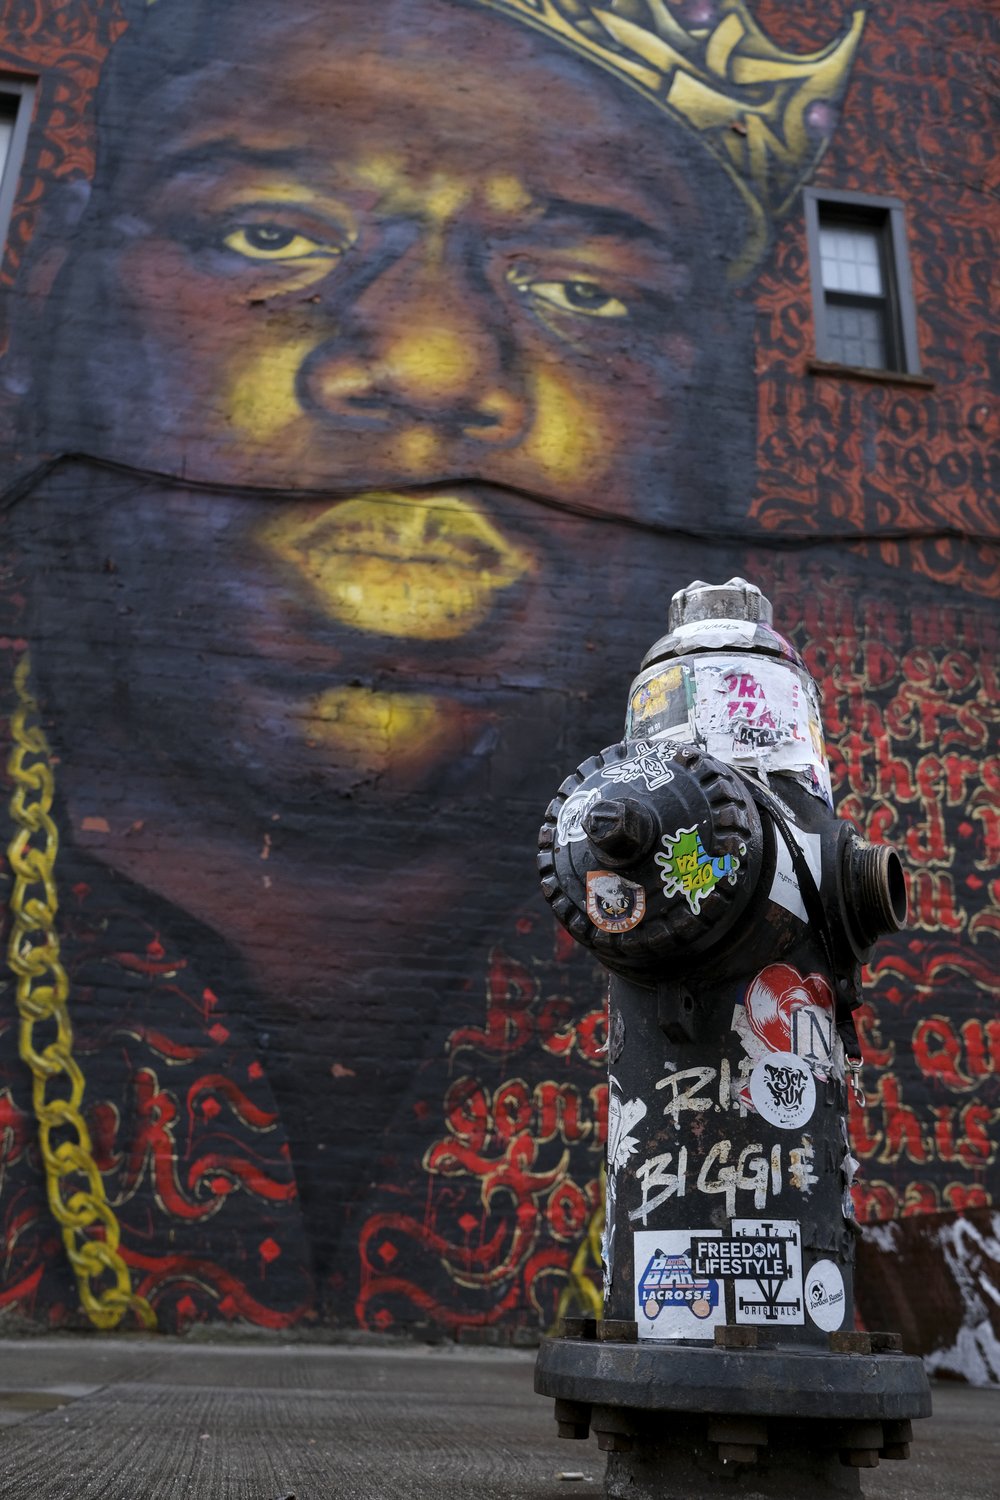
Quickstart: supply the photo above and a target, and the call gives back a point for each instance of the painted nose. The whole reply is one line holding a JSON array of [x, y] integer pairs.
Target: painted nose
[[419, 344]]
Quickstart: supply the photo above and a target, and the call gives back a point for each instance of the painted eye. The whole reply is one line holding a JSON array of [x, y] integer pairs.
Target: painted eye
[[586, 298], [274, 242]]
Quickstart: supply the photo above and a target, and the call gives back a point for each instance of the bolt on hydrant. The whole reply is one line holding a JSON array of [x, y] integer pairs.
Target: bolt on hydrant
[[701, 861]]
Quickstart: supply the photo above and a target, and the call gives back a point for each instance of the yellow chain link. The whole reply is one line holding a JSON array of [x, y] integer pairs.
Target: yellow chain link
[[580, 1292], [76, 1193]]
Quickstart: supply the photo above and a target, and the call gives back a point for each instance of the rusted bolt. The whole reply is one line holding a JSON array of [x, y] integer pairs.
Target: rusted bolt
[[886, 1343], [614, 1442], [859, 1458], [728, 1336], [849, 1341], [573, 1419], [577, 1328], [618, 1331]]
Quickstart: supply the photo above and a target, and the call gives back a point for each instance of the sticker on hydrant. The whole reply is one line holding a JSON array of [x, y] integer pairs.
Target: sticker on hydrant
[[784, 1011], [651, 764], [764, 1260], [671, 1302], [825, 1300], [660, 705], [569, 824], [782, 1090], [686, 868], [614, 904]]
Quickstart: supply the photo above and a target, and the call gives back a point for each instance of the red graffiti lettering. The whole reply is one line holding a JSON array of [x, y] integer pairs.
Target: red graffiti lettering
[[900, 1124], [960, 1057], [510, 990], [873, 1050], [920, 1198]]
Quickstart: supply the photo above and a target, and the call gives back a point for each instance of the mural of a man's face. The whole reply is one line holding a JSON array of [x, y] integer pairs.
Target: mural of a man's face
[[440, 276]]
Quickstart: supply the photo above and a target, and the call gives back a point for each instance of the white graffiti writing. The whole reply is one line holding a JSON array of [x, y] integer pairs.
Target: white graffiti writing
[[684, 1086], [657, 1173], [724, 1173], [800, 1166], [749, 1173]]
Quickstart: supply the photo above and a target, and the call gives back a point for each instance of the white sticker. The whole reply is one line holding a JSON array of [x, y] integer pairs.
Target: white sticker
[[783, 1091], [812, 847], [717, 633], [774, 1293], [622, 1116], [787, 1011], [825, 1297], [671, 1302], [785, 889], [785, 886], [569, 828], [762, 711], [648, 763]]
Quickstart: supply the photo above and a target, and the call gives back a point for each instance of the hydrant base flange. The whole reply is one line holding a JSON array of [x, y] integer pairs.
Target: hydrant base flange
[[683, 1423], [799, 1383]]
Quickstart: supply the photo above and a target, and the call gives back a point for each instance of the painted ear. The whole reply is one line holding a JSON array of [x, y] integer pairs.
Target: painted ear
[[23, 309], [58, 216]]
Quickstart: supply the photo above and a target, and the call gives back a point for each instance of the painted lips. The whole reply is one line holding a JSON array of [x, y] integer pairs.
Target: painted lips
[[425, 568]]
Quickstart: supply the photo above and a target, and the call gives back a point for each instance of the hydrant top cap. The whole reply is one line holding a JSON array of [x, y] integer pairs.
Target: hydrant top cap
[[735, 600]]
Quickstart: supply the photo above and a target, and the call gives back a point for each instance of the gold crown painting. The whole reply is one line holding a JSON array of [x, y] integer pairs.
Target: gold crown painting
[[765, 114]]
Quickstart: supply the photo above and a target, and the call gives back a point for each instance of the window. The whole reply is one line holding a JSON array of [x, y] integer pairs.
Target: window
[[15, 116], [862, 295]]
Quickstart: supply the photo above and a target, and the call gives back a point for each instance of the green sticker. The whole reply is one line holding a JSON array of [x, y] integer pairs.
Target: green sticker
[[687, 870]]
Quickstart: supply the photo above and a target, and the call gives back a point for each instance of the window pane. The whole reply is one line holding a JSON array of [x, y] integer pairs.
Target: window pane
[[831, 274], [850, 260], [856, 336], [870, 280]]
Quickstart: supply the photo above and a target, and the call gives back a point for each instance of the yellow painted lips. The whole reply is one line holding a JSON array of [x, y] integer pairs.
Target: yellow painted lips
[[425, 569]]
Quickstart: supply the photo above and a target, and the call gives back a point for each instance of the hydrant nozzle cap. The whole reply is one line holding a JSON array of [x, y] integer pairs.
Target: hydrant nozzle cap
[[735, 600]]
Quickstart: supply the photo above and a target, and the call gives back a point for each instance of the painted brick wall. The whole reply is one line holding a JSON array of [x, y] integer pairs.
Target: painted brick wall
[[369, 385]]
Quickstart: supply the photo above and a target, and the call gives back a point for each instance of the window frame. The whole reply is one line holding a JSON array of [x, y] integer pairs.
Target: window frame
[[20, 92], [885, 217]]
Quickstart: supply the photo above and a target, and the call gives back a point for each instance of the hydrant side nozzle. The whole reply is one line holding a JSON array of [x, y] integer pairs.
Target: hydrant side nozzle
[[874, 890]]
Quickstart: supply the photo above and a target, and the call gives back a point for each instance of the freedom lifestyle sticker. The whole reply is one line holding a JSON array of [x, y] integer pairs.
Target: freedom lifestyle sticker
[[763, 1260]]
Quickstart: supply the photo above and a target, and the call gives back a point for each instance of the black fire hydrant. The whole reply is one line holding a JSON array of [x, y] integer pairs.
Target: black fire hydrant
[[701, 861]]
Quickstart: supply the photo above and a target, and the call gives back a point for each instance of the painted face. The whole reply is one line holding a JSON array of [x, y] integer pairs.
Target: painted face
[[434, 274]]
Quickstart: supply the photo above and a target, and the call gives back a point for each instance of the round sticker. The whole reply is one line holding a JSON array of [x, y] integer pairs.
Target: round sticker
[[782, 1090], [825, 1297], [569, 829], [614, 904]]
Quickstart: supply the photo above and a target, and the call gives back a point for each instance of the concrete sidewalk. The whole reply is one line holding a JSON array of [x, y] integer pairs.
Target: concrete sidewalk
[[159, 1419]]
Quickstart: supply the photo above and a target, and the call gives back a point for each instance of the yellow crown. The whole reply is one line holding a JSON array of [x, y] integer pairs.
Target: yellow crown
[[766, 115]]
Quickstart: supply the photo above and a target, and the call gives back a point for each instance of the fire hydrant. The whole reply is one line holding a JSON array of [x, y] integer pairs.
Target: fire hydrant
[[701, 861]]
